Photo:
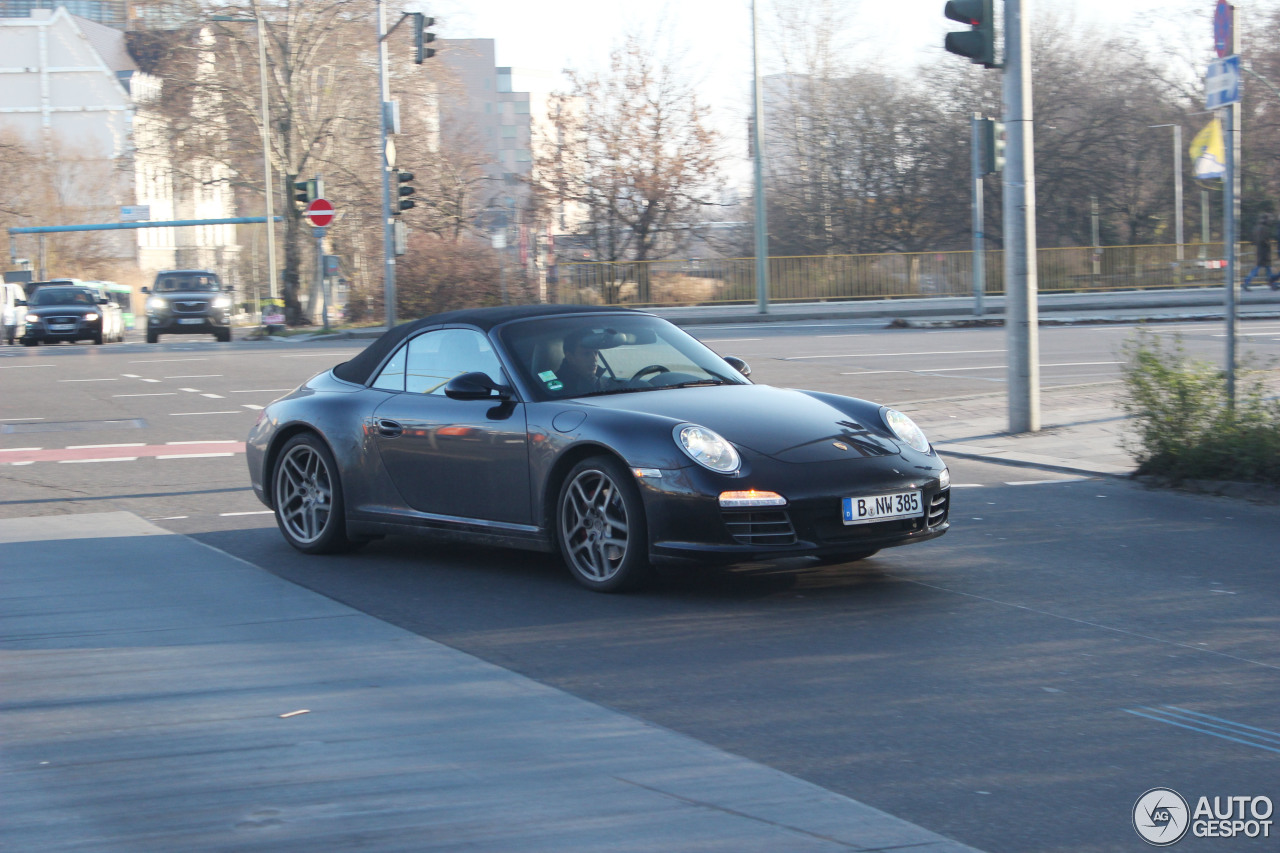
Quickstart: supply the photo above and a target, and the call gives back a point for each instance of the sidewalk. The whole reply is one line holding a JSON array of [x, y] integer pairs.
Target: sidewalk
[[160, 695]]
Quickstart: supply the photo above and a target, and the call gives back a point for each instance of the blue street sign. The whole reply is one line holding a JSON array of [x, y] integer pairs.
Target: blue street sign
[[1222, 83]]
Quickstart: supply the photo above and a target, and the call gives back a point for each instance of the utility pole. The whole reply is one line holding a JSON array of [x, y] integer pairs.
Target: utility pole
[[979, 241], [1021, 311], [388, 233], [757, 138]]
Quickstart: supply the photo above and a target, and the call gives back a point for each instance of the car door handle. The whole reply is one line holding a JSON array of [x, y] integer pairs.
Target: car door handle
[[389, 428]]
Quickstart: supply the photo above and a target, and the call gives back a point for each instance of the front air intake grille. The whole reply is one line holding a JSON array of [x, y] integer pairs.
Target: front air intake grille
[[760, 527], [938, 508], [192, 307]]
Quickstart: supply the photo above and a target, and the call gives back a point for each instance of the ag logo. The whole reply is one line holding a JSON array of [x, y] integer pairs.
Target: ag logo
[[1161, 817]]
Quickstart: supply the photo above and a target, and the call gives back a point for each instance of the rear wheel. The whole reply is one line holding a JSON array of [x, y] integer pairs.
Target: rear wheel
[[223, 335], [152, 336], [600, 525], [307, 494]]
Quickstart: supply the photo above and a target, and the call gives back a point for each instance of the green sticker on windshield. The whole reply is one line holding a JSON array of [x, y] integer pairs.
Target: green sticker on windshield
[[549, 378]]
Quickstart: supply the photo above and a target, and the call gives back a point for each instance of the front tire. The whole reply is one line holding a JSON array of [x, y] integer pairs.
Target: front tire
[[307, 493], [152, 336], [600, 526], [223, 335]]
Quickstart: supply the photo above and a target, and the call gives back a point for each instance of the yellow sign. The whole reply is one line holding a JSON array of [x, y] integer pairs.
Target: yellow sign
[[1208, 154]]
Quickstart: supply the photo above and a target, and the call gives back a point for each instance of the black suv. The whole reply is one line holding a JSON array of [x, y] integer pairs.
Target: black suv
[[186, 302]]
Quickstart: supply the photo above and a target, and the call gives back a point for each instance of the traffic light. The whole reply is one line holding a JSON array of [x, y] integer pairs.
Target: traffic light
[[403, 202], [305, 192], [979, 42], [993, 142], [422, 38]]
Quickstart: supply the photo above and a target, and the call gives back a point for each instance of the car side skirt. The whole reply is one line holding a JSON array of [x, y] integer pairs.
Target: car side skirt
[[442, 528]]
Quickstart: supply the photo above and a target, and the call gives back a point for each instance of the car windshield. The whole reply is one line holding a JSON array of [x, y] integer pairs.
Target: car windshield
[[187, 282], [611, 354], [64, 296]]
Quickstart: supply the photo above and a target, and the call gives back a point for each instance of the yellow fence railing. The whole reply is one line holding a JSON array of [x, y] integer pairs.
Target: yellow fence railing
[[898, 275]]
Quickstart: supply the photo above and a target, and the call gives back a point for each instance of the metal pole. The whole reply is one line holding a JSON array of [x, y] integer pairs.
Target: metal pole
[[1021, 316], [388, 235], [979, 260], [324, 295], [266, 153], [1231, 216], [1177, 191], [1095, 232], [757, 134]]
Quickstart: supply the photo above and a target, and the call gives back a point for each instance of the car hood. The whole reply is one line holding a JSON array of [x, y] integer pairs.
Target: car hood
[[783, 423], [62, 310]]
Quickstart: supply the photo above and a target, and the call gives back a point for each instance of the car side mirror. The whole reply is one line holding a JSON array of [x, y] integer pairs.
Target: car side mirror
[[146, 290], [475, 386], [102, 300], [19, 302], [738, 364]]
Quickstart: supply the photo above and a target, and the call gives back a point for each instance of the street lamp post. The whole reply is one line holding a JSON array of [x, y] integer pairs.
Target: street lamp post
[[266, 144]]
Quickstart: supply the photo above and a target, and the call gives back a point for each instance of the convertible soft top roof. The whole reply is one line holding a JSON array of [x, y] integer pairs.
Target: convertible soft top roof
[[360, 369]]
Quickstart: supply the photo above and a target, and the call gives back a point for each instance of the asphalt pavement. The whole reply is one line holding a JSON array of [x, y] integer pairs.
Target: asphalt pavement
[[160, 694]]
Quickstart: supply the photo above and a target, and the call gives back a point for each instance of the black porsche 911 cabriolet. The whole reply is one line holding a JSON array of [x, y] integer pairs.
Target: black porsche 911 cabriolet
[[608, 435]]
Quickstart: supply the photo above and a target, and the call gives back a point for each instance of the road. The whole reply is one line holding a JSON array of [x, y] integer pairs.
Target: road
[[1015, 685]]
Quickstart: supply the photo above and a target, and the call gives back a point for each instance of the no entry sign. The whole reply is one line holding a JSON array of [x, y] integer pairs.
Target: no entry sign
[[319, 212]]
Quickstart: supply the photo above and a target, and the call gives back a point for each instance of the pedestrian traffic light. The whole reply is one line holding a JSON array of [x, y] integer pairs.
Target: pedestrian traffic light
[[993, 142], [978, 44], [403, 202], [421, 38]]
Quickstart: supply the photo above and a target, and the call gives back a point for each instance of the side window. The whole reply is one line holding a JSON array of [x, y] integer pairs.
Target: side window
[[436, 357], [392, 376]]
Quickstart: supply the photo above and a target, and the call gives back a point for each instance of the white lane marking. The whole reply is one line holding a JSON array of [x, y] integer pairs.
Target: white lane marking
[[21, 420], [16, 464], [924, 370], [967, 485], [193, 455], [196, 376], [213, 396], [18, 449], [161, 360], [730, 340], [190, 390], [170, 517], [253, 407], [310, 355], [150, 380], [130, 376], [206, 441], [255, 512], [185, 414], [1040, 482], [892, 354], [264, 391], [93, 446], [105, 459], [156, 394], [106, 379], [17, 366]]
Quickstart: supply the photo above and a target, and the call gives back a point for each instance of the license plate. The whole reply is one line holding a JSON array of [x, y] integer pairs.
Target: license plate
[[62, 327], [191, 321], [882, 507]]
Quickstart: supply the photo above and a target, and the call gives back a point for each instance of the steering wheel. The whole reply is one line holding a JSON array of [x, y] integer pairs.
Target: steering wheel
[[652, 368]]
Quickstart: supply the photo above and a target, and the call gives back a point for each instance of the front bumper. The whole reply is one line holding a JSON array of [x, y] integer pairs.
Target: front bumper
[[178, 324], [80, 330], [687, 523]]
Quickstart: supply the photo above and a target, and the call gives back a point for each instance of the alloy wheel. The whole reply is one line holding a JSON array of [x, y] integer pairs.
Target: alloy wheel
[[594, 525], [304, 493]]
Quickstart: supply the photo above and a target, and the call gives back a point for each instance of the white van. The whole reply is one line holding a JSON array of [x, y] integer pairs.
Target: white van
[[10, 311]]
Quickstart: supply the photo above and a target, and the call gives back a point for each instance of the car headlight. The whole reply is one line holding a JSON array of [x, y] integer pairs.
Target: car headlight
[[707, 448], [944, 480], [905, 429], [33, 318], [90, 317], [222, 302], [155, 304]]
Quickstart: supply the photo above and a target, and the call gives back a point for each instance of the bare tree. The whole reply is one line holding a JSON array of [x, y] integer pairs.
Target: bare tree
[[635, 153]]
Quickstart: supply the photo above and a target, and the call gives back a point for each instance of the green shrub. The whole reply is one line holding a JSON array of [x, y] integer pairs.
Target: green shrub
[[1186, 428]]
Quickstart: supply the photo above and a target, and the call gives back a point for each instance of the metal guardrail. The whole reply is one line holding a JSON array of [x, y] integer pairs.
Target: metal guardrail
[[898, 275]]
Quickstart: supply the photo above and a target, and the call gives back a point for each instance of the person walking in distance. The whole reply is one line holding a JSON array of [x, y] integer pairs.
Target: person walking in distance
[[1262, 248]]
